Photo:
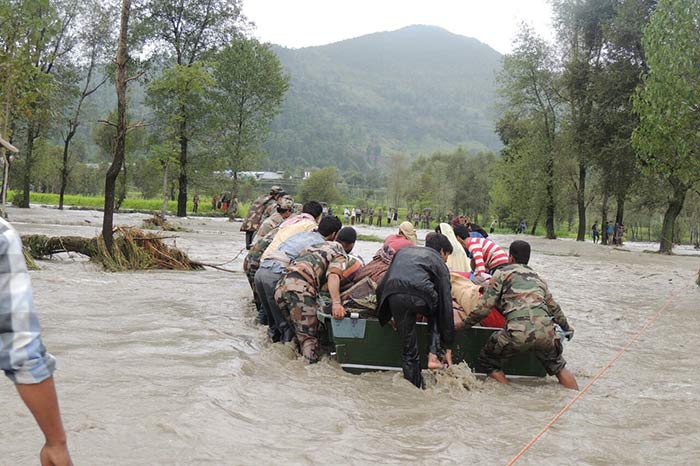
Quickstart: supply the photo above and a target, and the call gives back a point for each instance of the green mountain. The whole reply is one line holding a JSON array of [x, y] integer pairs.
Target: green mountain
[[415, 90]]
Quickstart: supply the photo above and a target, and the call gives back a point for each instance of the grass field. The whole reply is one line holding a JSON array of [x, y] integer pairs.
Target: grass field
[[137, 204]]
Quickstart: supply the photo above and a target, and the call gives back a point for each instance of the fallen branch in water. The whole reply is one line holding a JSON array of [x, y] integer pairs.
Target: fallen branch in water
[[134, 249]]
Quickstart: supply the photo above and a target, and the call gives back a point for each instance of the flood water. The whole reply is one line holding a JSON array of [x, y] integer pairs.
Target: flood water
[[169, 368]]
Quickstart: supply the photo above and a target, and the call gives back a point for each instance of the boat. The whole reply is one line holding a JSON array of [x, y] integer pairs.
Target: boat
[[363, 345]]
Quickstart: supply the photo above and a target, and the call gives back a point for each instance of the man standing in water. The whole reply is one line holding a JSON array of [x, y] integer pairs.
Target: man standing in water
[[418, 282], [23, 357], [530, 311]]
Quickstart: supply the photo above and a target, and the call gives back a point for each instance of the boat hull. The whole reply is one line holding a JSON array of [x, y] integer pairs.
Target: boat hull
[[362, 345]]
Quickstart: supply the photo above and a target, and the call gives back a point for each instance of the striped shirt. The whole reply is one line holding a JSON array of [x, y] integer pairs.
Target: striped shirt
[[23, 357], [486, 254]]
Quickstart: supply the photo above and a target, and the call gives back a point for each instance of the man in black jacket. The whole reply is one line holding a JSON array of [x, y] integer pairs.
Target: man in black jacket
[[418, 282]]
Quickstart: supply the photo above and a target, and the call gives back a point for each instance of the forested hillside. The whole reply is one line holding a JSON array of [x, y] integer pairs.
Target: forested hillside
[[415, 90]]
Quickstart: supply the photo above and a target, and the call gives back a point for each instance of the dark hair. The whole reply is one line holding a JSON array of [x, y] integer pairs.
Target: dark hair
[[346, 235], [478, 229], [329, 225], [438, 242], [520, 251], [461, 231], [313, 208], [281, 210]]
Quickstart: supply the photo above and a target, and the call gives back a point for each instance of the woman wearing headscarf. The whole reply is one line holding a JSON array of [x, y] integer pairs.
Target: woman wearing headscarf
[[458, 260]]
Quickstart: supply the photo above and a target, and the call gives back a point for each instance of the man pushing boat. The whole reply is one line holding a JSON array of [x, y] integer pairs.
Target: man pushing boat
[[530, 311]]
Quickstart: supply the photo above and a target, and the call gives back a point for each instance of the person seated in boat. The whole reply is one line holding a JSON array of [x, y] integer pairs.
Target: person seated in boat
[[297, 292], [377, 267], [418, 282], [465, 297], [487, 255], [530, 311]]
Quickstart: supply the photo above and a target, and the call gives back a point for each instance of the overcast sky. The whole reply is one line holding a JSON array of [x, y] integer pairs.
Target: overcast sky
[[302, 23]]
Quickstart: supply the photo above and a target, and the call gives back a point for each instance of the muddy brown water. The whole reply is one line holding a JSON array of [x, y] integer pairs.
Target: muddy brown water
[[169, 368]]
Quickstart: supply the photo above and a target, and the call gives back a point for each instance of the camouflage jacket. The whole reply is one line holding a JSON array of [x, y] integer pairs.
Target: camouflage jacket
[[516, 287], [256, 251], [271, 223], [317, 262], [255, 213], [270, 210]]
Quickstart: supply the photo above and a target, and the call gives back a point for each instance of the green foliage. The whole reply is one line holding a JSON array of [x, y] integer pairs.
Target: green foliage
[[248, 93], [668, 102], [321, 186]]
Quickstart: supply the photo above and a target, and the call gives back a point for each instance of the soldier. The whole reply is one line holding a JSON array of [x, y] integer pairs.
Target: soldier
[[285, 205], [255, 213], [272, 269], [530, 311], [297, 292]]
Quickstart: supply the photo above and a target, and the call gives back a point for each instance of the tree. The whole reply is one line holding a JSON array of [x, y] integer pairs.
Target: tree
[[668, 105], [321, 186], [189, 30], [94, 37], [122, 80], [530, 85], [248, 94]]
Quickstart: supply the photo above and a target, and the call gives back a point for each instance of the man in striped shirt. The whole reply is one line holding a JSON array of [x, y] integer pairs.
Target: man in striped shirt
[[487, 255]]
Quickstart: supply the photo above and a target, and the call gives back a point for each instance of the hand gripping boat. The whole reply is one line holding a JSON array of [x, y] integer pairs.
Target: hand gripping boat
[[362, 345]]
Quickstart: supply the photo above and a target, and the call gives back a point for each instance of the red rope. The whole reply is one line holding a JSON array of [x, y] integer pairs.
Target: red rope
[[600, 373]]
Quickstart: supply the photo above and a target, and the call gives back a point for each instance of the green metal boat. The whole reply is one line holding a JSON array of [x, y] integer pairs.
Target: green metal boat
[[362, 345]]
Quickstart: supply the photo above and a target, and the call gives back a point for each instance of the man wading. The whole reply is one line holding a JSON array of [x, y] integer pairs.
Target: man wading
[[418, 282], [530, 311]]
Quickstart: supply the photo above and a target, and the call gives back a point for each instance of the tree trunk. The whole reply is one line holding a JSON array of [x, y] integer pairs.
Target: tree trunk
[[550, 204], [604, 219], [581, 202], [620, 209], [182, 180], [120, 145], [675, 205], [28, 165], [164, 207], [122, 187], [64, 168]]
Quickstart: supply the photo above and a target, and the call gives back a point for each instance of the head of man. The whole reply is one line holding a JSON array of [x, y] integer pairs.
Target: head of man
[[329, 227], [277, 191], [461, 233], [439, 243], [519, 252], [347, 237], [285, 206], [313, 208], [407, 230]]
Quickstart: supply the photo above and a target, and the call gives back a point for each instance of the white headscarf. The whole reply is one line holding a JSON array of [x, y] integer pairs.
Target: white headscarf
[[458, 260]]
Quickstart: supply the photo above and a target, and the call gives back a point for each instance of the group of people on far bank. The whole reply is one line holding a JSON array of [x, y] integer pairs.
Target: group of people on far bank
[[300, 264], [611, 233]]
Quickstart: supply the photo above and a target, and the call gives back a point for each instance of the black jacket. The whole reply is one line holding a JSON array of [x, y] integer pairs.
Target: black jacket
[[420, 272]]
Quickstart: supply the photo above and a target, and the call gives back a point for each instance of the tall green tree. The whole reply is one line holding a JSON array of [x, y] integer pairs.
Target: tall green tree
[[248, 93], [321, 186], [188, 31], [668, 105], [530, 86]]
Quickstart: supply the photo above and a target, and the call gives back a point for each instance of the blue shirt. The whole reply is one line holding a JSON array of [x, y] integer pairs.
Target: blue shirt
[[290, 250], [23, 357]]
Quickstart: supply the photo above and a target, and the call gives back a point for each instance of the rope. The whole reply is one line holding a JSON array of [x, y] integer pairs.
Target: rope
[[600, 373]]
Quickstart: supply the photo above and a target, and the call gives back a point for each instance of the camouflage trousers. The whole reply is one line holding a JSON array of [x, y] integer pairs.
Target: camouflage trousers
[[520, 335], [298, 301]]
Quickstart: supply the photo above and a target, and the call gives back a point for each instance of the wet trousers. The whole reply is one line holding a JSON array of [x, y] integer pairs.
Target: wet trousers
[[298, 301], [404, 308], [279, 328], [249, 235]]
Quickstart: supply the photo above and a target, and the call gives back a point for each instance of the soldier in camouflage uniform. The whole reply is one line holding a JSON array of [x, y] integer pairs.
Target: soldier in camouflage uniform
[[283, 211], [257, 210], [251, 263], [297, 291], [530, 312]]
